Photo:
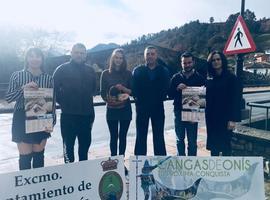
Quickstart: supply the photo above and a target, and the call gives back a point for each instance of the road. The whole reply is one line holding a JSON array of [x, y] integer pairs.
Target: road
[[100, 133]]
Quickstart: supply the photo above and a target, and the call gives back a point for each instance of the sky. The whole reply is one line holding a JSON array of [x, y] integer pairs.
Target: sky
[[119, 21]]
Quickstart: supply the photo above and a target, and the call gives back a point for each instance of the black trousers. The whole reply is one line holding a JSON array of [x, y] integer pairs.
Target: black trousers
[[157, 118], [72, 127], [118, 130]]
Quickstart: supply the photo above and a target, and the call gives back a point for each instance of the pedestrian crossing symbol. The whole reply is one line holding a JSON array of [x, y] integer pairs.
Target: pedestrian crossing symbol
[[240, 40]]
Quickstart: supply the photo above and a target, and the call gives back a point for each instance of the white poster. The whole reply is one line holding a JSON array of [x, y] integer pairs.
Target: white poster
[[197, 178], [193, 104], [39, 110], [86, 180]]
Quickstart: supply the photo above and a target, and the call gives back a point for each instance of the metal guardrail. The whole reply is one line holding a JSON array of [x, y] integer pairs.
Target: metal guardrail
[[10, 110], [259, 104], [3, 89], [253, 92]]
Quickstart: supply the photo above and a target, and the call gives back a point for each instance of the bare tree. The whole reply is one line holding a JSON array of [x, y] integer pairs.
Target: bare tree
[[14, 41], [52, 43]]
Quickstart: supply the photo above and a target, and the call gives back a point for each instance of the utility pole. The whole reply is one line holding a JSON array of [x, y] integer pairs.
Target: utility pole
[[240, 62], [240, 35]]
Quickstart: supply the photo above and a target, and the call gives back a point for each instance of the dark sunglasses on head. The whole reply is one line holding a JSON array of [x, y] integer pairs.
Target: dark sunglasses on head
[[217, 59]]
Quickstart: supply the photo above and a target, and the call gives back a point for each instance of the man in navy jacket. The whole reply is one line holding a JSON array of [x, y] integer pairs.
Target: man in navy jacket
[[150, 86]]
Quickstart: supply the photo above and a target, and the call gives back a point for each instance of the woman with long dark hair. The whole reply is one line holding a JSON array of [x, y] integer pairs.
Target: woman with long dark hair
[[223, 104], [115, 86], [30, 145]]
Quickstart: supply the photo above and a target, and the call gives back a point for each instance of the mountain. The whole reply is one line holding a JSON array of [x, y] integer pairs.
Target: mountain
[[135, 56], [197, 37], [200, 38], [102, 47]]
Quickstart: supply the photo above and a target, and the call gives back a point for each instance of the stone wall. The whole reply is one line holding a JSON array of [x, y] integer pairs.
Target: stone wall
[[248, 141]]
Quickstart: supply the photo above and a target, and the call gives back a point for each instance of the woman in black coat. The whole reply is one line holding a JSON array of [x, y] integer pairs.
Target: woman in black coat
[[223, 102]]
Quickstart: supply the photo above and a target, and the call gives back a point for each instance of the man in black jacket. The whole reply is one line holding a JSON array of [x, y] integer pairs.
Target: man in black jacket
[[75, 86], [150, 86], [187, 77]]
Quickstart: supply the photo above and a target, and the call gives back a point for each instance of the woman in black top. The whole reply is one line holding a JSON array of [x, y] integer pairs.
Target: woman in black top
[[223, 104], [31, 146], [115, 85]]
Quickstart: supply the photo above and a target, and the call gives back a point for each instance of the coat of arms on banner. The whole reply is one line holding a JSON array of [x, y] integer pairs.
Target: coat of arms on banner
[[85, 180], [197, 178], [193, 104], [38, 109], [111, 184]]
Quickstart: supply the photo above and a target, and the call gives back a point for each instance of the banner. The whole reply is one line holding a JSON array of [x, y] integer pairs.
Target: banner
[[86, 180], [39, 110], [193, 104], [198, 178]]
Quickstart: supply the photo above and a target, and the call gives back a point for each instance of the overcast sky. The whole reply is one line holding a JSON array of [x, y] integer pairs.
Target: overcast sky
[[118, 21]]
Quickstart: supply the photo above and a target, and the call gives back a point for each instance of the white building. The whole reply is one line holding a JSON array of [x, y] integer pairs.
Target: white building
[[258, 68]]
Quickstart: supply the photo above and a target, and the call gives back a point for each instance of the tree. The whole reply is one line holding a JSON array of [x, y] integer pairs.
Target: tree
[[52, 43], [249, 17], [15, 41], [9, 50], [211, 20]]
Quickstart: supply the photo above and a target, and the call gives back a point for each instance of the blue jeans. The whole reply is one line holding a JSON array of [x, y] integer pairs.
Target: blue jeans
[[181, 128]]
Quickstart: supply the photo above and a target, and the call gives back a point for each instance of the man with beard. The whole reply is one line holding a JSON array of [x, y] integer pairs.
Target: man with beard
[[75, 86], [186, 78]]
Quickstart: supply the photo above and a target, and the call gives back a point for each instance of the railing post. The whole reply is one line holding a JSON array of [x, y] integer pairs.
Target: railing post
[[250, 115], [266, 120]]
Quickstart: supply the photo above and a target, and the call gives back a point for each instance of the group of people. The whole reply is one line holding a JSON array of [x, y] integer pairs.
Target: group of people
[[149, 84]]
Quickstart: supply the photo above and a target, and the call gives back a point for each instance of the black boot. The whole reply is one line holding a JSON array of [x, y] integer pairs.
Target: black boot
[[25, 161], [38, 159]]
